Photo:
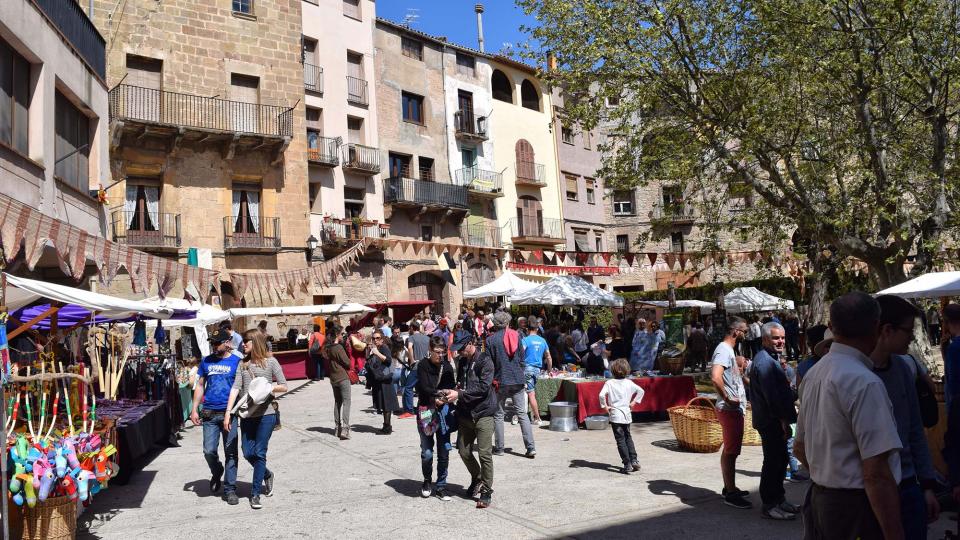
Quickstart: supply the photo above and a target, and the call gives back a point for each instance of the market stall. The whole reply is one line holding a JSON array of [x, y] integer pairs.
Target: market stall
[[748, 299], [660, 393], [507, 284], [567, 291]]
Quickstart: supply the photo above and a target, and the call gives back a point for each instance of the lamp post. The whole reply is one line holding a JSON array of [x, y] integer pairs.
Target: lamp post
[[311, 245]]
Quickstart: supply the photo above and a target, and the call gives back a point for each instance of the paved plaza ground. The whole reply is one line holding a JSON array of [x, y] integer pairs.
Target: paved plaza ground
[[368, 487]]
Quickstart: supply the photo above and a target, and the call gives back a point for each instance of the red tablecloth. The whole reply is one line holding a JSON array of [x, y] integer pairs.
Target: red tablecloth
[[295, 364], [660, 393]]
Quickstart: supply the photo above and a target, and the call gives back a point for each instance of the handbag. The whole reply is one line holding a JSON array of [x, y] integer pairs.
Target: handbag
[[428, 419], [353, 376], [929, 408]]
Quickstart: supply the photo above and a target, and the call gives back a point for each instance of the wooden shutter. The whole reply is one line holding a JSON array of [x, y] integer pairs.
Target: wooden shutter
[[525, 161]]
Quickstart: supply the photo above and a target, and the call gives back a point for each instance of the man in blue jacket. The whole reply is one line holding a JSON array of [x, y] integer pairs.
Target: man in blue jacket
[[773, 412]]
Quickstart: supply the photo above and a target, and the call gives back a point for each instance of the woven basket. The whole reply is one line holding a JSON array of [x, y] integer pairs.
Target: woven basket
[[696, 426], [751, 437], [52, 519], [672, 365]]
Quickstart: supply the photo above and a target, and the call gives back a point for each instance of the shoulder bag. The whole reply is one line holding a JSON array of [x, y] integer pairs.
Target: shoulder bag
[[929, 408]]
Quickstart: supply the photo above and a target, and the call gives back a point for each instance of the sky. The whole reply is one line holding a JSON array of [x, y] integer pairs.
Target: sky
[[456, 20]]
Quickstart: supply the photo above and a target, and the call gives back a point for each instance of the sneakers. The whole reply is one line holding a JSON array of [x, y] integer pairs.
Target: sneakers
[[425, 489], [473, 491], [386, 430], [742, 493], [485, 496], [268, 486], [538, 422], [778, 514], [231, 498], [789, 508], [255, 502], [626, 469], [531, 454], [215, 483], [514, 421], [345, 433], [636, 466], [498, 451], [406, 415], [442, 494], [737, 501], [797, 477]]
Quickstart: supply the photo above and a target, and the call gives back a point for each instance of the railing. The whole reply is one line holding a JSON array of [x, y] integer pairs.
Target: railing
[[172, 108], [312, 77], [423, 192], [466, 124], [529, 172], [333, 232], [480, 235], [158, 230], [422, 173], [677, 212], [533, 227], [322, 150], [356, 91], [73, 23], [264, 232], [358, 157], [479, 180]]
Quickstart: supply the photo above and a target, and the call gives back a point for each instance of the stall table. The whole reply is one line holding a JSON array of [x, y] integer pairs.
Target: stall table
[[140, 427], [660, 393], [296, 364]]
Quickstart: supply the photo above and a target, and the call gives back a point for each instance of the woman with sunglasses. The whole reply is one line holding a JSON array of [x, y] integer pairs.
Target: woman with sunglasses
[[379, 367], [434, 373]]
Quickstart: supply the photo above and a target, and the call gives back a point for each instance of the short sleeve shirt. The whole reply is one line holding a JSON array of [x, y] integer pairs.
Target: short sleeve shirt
[[724, 356], [845, 417], [534, 348], [218, 376]]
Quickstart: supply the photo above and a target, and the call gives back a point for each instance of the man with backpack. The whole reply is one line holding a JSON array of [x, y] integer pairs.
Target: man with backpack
[[506, 350], [315, 348]]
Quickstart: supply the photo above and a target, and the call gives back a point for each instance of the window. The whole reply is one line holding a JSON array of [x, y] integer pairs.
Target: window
[[355, 134], [426, 168], [353, 202], [623, 243], [502, 87], [412, 106], [527, 170], [572, 191], [580, 241], [426, 233], [566, 135], [351, 8], [243, 6], [466, 64], [72, 144], [529, 97], [399, 165], [246, 210], [591, 194], [676, 242], [411, 48], [598, 240], [740, 196], [623, 202], [672, 196], [141, 205], [529, 217], [14, 98]]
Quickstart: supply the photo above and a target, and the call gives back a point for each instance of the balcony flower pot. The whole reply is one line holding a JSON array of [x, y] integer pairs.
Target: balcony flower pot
[[384, 226]]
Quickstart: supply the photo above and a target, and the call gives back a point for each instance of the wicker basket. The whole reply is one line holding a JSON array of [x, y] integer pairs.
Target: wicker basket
[[751, 437], [52, 519], [672, 365], [696, 426]]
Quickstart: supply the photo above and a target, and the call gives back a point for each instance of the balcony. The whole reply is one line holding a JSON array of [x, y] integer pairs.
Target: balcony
[[357, 91], [677, 213], [337, 232], [262, 233], [361, 159], [154, 107], [313, 78], [480, 181], [530, 174], [469, 127], [423, 194], [68, 17], [322, 151], [480, 235], [534, 230], [157, 231]]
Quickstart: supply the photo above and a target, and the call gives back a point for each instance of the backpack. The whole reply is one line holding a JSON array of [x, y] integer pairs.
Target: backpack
[[315, 347]]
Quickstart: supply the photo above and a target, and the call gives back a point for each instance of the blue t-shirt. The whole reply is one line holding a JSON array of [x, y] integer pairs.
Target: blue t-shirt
[[218, 375], [534, 348]]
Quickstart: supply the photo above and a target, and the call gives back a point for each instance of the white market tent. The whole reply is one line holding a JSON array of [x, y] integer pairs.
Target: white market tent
[[206, 314], [23, 291], [705, 307], [507, 284], [930, 285], [567, 291], [323, 309], [744, 299]]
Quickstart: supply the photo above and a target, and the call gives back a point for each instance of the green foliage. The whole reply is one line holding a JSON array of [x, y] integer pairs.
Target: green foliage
[[780, 286]]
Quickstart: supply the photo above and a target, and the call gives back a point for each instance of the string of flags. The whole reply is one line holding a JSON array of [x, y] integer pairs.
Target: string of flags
[[611, 262]]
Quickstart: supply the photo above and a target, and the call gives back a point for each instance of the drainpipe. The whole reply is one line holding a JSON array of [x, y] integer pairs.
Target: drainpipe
[[479, 10]]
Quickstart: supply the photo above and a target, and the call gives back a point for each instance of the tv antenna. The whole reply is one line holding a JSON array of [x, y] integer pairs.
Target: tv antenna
[[411, 17]]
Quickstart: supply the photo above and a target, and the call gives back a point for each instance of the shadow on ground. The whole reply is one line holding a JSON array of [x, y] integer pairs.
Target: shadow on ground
[[584, 464], [687, 494], [672, 445]]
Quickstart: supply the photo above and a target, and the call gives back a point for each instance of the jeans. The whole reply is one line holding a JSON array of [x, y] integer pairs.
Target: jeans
[[212, 431], [481, 431], [341, 403], [397, 380], [774, 443], [519, 408], [320, 371], [409, 383], [913, 510], [791, 459], [256, 433], [621, 434], [426, 455]]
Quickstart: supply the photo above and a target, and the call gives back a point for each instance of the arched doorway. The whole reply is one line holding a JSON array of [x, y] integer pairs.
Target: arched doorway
[[428, 286]]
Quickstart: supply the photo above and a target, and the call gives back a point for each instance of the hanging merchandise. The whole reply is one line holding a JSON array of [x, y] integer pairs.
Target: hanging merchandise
[[159, 335], [140, 333]]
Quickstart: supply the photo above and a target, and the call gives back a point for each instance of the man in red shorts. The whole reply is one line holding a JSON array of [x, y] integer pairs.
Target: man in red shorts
[[731, 407]]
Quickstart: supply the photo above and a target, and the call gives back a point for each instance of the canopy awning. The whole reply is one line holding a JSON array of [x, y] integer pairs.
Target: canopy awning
[[321, 309], [705, 307], [745, 299], [930, 285], [567, 291], [507, 284], [24, 292], [204, 314]]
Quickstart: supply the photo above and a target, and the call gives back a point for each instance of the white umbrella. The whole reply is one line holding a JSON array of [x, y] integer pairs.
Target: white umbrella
[[507, 284], [567, 291], [930, 285], [744, 299]]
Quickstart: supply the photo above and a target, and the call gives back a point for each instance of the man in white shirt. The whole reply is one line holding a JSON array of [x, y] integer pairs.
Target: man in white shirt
[[727, 378], [846, 433]]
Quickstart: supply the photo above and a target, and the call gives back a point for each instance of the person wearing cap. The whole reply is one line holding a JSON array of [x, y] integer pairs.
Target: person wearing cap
[[216, 374], [507, 353]]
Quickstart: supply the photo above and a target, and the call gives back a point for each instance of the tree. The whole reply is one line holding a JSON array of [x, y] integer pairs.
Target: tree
[[839, 116]]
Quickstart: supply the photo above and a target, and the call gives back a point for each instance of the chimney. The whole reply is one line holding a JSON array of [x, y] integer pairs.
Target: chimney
[[479, 9]]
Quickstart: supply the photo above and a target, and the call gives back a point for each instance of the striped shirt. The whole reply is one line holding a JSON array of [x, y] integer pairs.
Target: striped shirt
[[246, 371]]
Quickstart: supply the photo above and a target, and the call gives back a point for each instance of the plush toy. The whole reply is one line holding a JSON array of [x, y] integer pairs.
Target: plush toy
[[47, 482], [61, 461], [68, 485], [28, 489], [104, 469], [70, 452], [83, 483]]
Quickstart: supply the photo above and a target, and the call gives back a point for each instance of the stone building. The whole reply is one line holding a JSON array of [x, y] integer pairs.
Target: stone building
[[53, 115], [207, 131]]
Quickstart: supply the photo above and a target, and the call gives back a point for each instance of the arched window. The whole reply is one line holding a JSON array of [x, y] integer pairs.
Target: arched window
[[529, 216], [529, 97], [502, 87]]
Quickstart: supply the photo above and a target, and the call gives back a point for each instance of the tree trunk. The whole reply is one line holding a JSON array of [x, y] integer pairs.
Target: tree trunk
[[818, 305], [886, 274]]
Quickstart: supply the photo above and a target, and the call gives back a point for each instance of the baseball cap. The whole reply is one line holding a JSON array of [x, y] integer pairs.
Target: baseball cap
[[220, 336]]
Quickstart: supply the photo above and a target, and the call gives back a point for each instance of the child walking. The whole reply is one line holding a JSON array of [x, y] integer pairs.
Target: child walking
[[617, 396]]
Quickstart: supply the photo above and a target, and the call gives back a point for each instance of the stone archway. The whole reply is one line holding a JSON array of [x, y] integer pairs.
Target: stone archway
[[427, 285]]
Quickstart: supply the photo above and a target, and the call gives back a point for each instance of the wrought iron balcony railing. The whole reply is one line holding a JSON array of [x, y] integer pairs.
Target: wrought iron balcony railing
[[480, 180], [245, 231], [360, 158], [536, 227], [424, 192], [469, 126], [480, 235], [530, 173], [322, 150], [675, 213], [347, 230], [357, 91], [146, 229], [313, 78]]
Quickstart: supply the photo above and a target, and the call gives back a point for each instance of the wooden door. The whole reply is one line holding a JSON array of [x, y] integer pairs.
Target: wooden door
[[529, 217], [244, 102], [526, 170]]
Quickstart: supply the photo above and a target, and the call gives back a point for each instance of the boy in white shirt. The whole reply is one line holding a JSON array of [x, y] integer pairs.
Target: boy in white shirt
[[617, 396]]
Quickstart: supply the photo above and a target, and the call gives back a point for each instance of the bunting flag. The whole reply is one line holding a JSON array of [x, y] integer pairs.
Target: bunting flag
[[562, 270], [682, 257], [562, 255], [581, 259], [629, 258], [448, 268], [653, 258], [671, 259]]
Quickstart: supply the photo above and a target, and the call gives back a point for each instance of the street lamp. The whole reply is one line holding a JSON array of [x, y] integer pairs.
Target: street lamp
[[311, 245]]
